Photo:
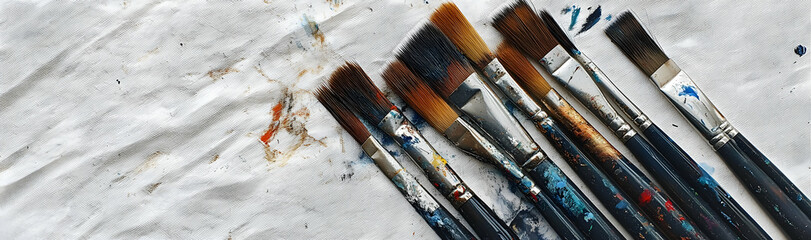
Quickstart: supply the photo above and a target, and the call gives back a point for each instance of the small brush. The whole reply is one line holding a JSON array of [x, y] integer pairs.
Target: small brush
[[356, 89], [778, 195], [687, 195], [443, 118], [627, 213], [525, 30], [450, 20], [441, 221]]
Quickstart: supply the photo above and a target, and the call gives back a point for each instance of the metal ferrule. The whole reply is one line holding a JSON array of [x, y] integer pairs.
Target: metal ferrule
[[495, 72], [405, 182], [468, 139], [692, 103], [612, 92], [481, 105], [424, 155], [571, 74]]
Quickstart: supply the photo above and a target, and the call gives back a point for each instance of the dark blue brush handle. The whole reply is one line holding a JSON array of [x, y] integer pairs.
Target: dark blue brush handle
[[445, 225], [685, 198], [767, 192], [554, 216], [705, 185], [770, 169], [484, 221], [582, 211]]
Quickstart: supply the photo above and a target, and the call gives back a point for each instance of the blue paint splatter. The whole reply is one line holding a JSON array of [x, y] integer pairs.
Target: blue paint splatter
[[592, 19], [566, 10], [707, 181], [800, 50], [609, 17], [707, 168], [689, 91], [575, 13], [621, 204]]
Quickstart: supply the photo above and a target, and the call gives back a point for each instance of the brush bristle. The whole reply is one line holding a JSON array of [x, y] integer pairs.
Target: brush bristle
[[419, 96], [450, 20], [359, 92], [522, 70], [341, 113], [557, 32], [636, 43], [433, 58], [525, 30]]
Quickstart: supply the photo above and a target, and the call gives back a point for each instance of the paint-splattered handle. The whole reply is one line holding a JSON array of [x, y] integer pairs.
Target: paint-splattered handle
[[705, 185], [793, 221], [554, 215], [770, 169], [484, 221]]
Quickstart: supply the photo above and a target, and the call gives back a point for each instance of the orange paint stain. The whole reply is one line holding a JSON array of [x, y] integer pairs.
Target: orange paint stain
[[274, 124]]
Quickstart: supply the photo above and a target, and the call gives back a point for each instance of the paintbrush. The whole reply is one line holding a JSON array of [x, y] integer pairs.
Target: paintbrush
[[443, 118], [687, 193], [441, 221], [627, 213], [355, 88], [525, 30], [775, 192], [450, 20]]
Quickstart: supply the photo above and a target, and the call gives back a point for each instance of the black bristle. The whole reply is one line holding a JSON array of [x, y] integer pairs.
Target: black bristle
[[358, 91], [429, 54], [632, 39], [557, 32], [341, 113]]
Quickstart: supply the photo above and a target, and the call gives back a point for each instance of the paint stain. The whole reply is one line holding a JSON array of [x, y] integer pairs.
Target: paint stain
[[261, 72], [621, 205], [152, 187], [800, 50], [312, 28], [217, 74], [333, 4], [293, 122], [565, 10], [150, 162], [645, 197], [689, 91], [591, 20], [669, 206], [276, 112], [575, 13], [609, 17], [707, 168], [214, 159]]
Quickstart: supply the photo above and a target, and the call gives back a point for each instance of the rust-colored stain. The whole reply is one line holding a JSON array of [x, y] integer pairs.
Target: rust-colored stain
[[216, 157], [152, 187], [276, 111], [258, 69], [584, 133], [217, 74], [150, 162], [302, 72], [293, 122]]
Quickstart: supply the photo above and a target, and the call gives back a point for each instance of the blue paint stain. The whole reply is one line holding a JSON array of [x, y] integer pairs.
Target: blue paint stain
[[588, 217], [562, 191], [592, 19], [622, 204], [575, 13], [707, 181], [707, 168], [408, 141], [609, 17], [800, 50], [565, 10], [689, 91]]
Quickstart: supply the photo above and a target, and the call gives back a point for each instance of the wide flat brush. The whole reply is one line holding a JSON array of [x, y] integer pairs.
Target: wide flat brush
[[618, 203], [355, 88], [526, 31], [686, 193], [450, 20], [443, 118], [776, 193], [437, 216]]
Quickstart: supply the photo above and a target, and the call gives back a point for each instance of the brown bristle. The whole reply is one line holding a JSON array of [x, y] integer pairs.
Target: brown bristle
[[359, 92], [345, 118], [636, 43], [419, 96], [525, 30], [450, 20], [430, 55], [522, 71]]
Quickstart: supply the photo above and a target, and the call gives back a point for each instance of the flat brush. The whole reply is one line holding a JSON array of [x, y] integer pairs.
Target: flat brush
[[618, 204], [778, 195], [450, 20], [443, 118], [688, 196], [441, 221], [355, 88], [526, 31]]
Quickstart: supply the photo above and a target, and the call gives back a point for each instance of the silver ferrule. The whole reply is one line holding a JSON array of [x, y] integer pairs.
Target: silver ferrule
[[692, 103], [481, 105], [405, 182], [424, 155], [495, 73], [468, 139], [382, 158], [571, 74], [611, 91]]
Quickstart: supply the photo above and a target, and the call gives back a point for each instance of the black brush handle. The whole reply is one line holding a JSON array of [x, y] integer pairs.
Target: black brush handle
[[484, 221], [555, 218], [705, 185], [686, 200], [444, 224], [767, 192], [777, 176]]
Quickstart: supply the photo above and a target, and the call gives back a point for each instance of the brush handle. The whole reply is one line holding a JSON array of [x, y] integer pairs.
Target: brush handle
[[484, 221], [777, 176], [627, 213], [444, 224], [705, 185], [554, 216], [686, 199], [767, 192]]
